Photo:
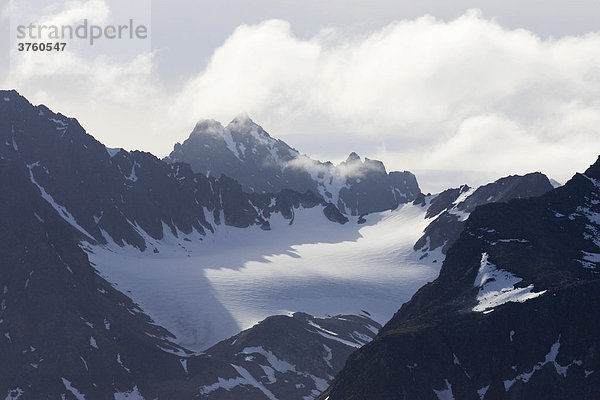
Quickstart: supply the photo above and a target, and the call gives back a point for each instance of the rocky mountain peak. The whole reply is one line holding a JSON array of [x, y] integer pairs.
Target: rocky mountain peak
[[244, 151], [594, 170], [244, 124], [207, 126], [242, 119], [353, 157]]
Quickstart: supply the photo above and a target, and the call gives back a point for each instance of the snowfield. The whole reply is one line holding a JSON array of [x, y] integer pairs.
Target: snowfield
[[497, 287], [207, 288]]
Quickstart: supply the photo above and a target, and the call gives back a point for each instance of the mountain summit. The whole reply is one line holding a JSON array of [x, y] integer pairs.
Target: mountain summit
[[244, 151]]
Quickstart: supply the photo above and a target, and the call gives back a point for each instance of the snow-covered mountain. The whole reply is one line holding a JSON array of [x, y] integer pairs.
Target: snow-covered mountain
[[65, 330], [117, 270], [122, 276], [244, 151], [512, 315]]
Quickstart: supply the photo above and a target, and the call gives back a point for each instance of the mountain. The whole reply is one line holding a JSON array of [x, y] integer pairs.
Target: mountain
[[512, 315], [288, 357], [122, 195], [452, 207], [122, 276], [246, 152], [65, 331]]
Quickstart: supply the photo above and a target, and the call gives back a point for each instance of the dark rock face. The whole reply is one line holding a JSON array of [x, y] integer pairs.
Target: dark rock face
[[64, 330], [58, 318], [333, 214], [452, 207], [508, 188], [370, 188], [445, 201], [513, 314], [262, 164]]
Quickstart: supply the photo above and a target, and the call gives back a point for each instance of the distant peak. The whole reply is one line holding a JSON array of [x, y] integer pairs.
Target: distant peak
[[242, 124], [243, 117], [353, 157], [208, 125], [242, 121]]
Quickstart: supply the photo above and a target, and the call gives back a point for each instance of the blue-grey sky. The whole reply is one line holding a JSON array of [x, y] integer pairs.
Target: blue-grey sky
[[458, 92]]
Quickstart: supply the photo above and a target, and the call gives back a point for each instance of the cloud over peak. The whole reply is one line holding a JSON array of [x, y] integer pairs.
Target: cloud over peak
[[465, 94], [468, 93]]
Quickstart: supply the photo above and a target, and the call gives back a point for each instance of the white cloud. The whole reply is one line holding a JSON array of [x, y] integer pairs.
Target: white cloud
[[464, 95], [69, 12], [353, 168]]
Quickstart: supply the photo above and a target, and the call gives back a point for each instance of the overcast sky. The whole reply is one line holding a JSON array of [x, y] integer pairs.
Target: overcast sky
[[457, 92]]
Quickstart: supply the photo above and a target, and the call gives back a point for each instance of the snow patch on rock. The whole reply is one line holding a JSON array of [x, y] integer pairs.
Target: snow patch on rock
[[497, 287]]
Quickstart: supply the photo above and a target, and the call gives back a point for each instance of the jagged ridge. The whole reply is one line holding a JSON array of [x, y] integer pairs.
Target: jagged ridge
[[246, 152]]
